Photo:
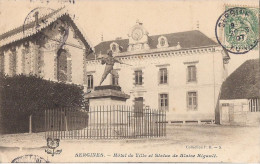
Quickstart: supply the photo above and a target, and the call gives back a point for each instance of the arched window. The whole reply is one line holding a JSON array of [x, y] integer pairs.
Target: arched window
[[114, 48], [62, 66], [162, 42]]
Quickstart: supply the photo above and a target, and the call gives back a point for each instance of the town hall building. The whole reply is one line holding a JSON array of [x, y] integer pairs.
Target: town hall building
[[180, 72]]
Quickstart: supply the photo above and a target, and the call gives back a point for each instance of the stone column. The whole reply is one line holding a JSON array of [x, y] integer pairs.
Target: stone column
[[69, 68], [6, 61], [19, 56], [27, 60], [55, 66], [2, 62], [12, 61], [34, 59], [41, 62], [50, 65]]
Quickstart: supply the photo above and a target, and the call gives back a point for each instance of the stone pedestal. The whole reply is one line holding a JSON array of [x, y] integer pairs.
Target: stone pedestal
[[107, 95]]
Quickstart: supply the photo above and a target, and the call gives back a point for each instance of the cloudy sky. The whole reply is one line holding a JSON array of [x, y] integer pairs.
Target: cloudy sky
[[115, 18]]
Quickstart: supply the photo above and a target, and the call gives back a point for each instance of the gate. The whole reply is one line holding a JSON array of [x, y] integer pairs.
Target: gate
[[110, 122]]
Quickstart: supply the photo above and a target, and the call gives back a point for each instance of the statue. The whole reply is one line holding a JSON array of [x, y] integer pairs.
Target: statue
[[109, 61]]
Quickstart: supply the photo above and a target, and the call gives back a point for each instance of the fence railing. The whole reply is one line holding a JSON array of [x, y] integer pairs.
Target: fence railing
[[104, 122]]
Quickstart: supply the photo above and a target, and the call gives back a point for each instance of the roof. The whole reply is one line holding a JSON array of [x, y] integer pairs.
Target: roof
[[28, 29], [187, 39], [243, 83]]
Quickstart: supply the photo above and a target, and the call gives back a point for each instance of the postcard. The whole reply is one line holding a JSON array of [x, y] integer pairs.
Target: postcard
[[129, 81]]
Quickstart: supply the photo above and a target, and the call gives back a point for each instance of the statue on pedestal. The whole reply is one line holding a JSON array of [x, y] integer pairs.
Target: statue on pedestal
[[109, 61], [108, 94]]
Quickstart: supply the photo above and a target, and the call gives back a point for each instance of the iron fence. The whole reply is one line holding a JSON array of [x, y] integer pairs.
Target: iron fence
[[104, 122]]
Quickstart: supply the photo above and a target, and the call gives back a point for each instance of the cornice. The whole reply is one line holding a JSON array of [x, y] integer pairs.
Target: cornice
[[161, 53]]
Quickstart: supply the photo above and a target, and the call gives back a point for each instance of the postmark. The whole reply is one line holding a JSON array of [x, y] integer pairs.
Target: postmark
[[29, 159], [50, 36], [237, 30]]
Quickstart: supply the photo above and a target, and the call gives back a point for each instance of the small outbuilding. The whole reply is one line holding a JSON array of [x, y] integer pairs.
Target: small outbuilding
[[240, 96]]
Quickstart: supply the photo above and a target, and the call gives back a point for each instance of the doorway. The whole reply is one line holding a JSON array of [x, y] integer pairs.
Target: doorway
[[138, 106]]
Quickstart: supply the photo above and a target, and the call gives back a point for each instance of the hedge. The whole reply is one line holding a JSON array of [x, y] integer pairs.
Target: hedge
[[22, 96]]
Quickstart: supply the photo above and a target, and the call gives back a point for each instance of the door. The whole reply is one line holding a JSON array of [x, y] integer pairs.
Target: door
[[138, 107]]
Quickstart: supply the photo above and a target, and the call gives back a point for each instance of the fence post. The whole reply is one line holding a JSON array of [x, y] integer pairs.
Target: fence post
[[65, 120], [45, 124], [30, 123]]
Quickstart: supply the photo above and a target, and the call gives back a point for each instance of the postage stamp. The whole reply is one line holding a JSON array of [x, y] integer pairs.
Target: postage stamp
[[237, 30]]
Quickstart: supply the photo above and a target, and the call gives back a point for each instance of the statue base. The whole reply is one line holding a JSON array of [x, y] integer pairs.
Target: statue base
[[107, 95]]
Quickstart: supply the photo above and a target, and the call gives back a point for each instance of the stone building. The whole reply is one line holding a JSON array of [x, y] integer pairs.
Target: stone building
[[178, 72], [49, 45]]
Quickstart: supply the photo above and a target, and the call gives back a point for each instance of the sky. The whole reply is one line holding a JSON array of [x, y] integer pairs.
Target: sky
[[112, 19]]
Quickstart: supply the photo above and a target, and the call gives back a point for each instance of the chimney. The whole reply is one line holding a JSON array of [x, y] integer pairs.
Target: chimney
[[102, 37], [198, 25]]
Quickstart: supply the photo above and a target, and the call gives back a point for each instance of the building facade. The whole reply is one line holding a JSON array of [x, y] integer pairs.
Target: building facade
[[51, 46], [179, 72]]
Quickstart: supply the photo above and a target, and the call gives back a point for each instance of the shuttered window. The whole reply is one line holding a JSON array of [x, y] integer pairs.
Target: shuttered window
[[90, 81], [192, 73], [163, 76], [192, 102], [138, 77], [163, 102]]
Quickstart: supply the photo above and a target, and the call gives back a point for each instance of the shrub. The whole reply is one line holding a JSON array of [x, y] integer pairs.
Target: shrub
[[22, 96]]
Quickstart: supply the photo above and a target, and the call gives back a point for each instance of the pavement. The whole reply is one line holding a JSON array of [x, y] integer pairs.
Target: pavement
[[183, 143]]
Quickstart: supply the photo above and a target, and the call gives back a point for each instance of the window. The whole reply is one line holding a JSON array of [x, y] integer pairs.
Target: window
[[163, 102], [192, 101], [192, 74], [138, 106], [114, 80], [90, 81], [162, 42], [138, 77], [114, 48], [62, 66], [254, 105], [163, 76]]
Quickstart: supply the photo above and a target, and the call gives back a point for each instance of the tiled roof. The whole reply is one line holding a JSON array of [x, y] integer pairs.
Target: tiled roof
[[28, 29], [187, 39], [243, 83]]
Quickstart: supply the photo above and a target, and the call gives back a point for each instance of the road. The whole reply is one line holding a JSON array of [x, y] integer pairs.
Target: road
[[186, 143]]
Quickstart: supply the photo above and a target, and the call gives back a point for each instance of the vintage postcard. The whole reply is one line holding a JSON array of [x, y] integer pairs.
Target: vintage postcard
[[129, 81]]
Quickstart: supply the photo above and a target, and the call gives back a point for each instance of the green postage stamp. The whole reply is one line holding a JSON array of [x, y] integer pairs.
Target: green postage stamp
[[237, 29]]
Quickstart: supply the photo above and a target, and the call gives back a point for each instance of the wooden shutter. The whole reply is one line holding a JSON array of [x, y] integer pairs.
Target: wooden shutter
[[142, 75], [195, 73]]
